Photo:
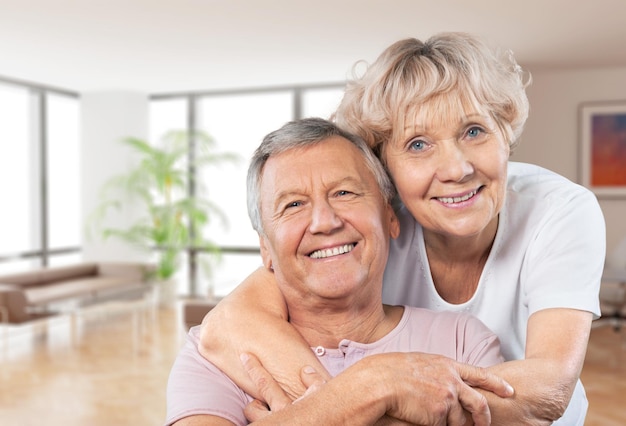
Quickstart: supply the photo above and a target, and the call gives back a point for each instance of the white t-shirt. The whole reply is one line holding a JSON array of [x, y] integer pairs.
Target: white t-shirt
[[548, 253]]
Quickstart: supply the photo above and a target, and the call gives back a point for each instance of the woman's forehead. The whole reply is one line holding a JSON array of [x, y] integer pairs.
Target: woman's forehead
[[444, 110]]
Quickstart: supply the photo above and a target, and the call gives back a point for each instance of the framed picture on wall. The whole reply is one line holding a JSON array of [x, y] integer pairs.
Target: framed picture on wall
[[603, 147]]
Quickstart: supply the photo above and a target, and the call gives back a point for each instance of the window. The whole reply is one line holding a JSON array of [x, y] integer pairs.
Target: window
[[40, 175], [20, 224], [64, 209], [39, 134], [238, 123], [321, 102], [166, 115]]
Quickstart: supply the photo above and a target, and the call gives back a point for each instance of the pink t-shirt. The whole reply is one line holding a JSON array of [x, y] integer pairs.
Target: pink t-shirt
[[198, 387]]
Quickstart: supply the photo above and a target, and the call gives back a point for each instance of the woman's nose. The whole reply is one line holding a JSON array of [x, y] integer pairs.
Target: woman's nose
[[454, 164]]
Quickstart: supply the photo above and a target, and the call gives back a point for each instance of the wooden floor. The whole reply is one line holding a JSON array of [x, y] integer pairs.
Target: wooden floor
[[604, 377], [103, 367], [110, 367]]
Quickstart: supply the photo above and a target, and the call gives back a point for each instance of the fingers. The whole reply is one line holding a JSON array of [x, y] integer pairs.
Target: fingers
[[311, 379], [473, 401], [268, 388], [476, 404], [256, 410], [457, 415], [484, 379], [438, 383]]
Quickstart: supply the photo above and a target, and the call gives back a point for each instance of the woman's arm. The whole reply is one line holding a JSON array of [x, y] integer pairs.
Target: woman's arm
[[253, 318], [556, 344], [384, 389], [414, 388]]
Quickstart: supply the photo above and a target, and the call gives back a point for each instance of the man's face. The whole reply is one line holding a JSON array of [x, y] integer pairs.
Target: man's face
[[326, 224]]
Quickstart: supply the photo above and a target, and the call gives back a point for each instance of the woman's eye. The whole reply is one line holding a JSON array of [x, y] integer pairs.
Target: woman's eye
[[474, 132], [417, 145]]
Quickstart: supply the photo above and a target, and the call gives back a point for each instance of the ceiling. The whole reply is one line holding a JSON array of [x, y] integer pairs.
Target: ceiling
[[162, 46]]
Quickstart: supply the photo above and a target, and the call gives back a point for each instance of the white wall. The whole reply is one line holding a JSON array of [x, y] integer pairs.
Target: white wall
[[107, 118], [551, 136]]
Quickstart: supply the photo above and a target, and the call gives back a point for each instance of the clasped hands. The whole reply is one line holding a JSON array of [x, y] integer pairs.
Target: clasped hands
[[397, 388]]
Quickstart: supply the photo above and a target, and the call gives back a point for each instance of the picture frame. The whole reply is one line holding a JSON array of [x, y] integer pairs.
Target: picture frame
[[603, 148]]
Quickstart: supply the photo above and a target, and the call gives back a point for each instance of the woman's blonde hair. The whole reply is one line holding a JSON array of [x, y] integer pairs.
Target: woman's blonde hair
[[410, 73]]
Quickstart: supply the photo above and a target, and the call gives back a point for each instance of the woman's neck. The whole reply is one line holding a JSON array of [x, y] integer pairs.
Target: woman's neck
[[456, 264]]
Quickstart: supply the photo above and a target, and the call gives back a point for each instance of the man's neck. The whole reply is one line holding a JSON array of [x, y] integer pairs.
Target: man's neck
[[328, 326]]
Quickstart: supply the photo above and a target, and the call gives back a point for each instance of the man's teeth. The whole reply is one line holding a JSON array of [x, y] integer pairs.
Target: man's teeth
[[450, 200], [321, 254]]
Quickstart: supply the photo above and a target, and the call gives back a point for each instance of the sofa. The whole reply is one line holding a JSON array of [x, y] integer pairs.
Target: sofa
[[30, 295], [194, 310]]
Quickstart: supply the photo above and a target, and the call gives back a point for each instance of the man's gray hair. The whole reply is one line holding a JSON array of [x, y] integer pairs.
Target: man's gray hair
[[301, 133]]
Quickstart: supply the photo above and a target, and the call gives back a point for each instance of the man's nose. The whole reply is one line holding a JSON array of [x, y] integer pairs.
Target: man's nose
[[324, 218]]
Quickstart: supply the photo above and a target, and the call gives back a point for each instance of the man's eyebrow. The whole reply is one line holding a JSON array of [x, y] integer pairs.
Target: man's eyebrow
[[352, 180], [281, 196]]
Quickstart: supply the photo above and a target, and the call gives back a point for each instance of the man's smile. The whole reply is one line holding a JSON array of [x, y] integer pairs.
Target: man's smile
[[333, 251]]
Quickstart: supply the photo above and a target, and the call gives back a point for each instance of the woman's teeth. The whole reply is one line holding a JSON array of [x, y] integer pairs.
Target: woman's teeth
[[450, 200]]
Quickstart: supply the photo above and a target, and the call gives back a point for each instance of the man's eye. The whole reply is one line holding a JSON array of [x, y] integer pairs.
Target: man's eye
[[293, 204]]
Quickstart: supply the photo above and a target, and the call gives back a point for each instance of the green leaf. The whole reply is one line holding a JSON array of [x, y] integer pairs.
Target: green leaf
[[157, 185]]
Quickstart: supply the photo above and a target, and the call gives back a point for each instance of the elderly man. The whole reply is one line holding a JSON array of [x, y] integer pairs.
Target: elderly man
[[321, 204]]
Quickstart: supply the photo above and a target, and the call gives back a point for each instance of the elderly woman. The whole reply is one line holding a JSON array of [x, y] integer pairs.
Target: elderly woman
[[516, 245]]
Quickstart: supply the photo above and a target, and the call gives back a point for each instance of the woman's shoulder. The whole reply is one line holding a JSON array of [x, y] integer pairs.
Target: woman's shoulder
[[536, 181], [440, 318]]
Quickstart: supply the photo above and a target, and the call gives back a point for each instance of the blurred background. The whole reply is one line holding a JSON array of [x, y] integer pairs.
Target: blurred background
[[76, 77]]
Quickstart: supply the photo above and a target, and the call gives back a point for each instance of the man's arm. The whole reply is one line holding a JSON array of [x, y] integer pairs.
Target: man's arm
[[544, 381], [233, 327], [203, 420], [391, 388]]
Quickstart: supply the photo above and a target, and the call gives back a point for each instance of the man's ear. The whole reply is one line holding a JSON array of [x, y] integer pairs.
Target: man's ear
[[394, 223], [265, 253]]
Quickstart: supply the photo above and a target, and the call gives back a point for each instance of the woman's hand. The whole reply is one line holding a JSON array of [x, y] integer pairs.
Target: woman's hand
[[394, 388], [443, 387]]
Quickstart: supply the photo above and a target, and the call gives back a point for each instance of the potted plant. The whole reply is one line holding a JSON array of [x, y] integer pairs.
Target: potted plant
[[171, 218]]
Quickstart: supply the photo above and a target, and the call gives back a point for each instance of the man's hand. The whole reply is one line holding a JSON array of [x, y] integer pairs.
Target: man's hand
[[414, 387], [271, 392], [428, 389]]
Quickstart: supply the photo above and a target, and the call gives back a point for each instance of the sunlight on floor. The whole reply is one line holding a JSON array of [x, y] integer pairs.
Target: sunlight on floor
[[102, 366]]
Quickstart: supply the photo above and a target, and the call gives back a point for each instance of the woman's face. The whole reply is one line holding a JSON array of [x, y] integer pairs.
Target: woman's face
[[450, 169]]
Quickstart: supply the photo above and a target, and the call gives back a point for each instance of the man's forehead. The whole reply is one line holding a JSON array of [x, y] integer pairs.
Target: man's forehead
[[319, 157], [329, 163]]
